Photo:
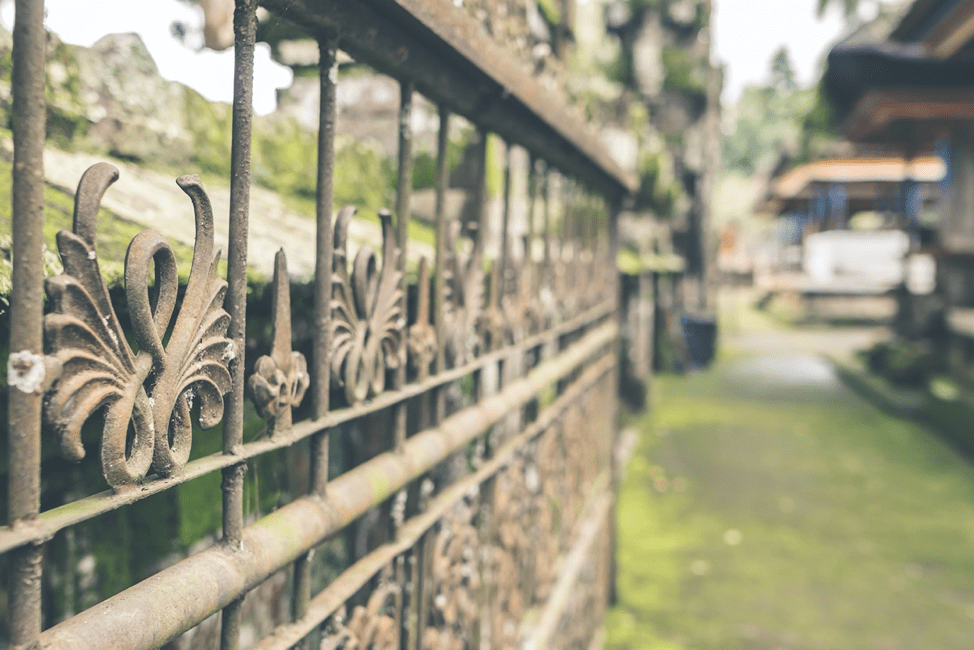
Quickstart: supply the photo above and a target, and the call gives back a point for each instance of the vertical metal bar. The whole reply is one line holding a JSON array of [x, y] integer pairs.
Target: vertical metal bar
[[324, 199], [321, 380], [245, 33], [480, 234], [480, 196], [404, 186], [26, 314], [505, 227], [439, 284], [546, 216], [245, 30]]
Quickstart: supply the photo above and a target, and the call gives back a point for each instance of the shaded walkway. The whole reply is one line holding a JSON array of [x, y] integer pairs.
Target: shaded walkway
[[767, 506]]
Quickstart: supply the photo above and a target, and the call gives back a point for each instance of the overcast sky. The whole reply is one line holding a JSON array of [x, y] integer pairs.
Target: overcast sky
[[210, 73], [746, 35]]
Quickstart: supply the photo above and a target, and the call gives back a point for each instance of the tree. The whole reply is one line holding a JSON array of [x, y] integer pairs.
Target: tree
[[782, 74], [849, 7]]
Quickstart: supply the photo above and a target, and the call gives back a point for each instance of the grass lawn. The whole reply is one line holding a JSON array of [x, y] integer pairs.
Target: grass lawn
[[769, 507]]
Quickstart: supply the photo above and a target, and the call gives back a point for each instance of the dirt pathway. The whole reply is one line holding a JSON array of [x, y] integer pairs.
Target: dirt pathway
[[769, 507]]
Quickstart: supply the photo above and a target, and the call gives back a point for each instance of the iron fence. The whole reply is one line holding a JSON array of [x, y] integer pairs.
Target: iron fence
[[514, 549]]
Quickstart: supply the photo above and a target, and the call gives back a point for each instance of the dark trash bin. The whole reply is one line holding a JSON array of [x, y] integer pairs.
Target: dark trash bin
[[700, 335]]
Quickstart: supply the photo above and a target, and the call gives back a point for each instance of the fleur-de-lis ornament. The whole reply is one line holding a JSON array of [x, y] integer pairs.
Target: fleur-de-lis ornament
[[147, 395], [366, 312], [281, 379]]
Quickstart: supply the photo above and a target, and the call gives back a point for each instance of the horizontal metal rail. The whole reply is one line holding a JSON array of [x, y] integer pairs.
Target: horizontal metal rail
[[50, 522], [158, 609], [452, 61], [355, 577]]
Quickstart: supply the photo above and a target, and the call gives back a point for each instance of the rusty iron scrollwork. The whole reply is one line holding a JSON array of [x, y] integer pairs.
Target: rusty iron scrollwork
[[281, 378], [454, 582], [366, 306], [373, 626], [149, 392]]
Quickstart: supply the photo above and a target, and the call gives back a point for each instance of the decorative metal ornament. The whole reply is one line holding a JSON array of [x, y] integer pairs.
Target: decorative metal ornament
[[374, 626], [454, 581], [280, 379], [464, 276], [147, 395], [422, 337], [366, 309]]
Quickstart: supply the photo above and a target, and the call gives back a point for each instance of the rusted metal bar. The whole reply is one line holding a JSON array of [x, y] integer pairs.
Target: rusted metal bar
[[245, 33], [202, 584], [505, 226], [546, 216], [453, 62], [321, 378], [245, 28], [404, 186], [439, 282], [357, 576], [50, 522], [25, 367]]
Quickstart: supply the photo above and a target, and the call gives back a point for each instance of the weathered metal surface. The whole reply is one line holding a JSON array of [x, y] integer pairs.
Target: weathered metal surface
[[451, 61], [206, 582], [355, 577], [367, 319], [482, 541], [280, 379], [25, 367], [51, 521], [99, 369]]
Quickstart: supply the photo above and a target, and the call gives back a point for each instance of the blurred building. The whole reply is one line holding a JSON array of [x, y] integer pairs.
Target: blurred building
[[907, 80]]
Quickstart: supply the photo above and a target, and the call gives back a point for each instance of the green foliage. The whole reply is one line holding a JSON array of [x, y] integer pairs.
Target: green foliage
[[363, 177], [209, 128], [550, 11], [66, 120], [779, 119], [767, 123], [901, 362], [681, 71], [658, 190], [424, 163], [848, 7], [782, 73]]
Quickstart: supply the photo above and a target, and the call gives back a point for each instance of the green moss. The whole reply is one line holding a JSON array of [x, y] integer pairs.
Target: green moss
[[658, 190], [209, 126], [66, 116], [758, 509]]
